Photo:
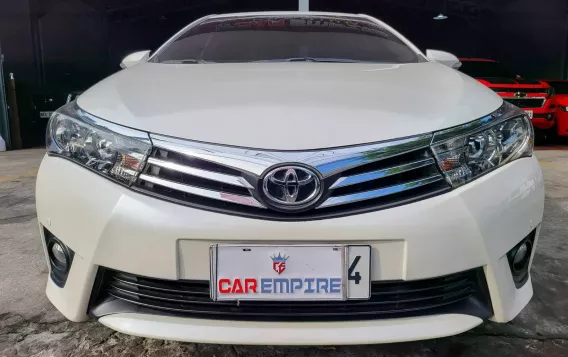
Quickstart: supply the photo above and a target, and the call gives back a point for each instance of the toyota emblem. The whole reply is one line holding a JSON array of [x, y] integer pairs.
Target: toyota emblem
[[291, 187]]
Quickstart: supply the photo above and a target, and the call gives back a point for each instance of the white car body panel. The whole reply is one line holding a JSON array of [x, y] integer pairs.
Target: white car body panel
[[250, 105], [270, 333], [461, 221]]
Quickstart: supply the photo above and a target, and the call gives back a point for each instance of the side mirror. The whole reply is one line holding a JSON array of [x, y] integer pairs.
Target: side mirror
[[135, 58], [445, 58]]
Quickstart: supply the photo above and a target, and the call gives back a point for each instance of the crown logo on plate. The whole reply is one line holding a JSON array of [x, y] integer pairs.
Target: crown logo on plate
[[279, 258], [279, 262]]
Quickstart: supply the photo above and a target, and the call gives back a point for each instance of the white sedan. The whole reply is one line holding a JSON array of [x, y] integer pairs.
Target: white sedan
[[290, 178]]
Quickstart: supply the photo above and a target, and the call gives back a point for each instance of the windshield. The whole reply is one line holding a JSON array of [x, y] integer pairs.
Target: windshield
[[275, 39], [560, 87], [487, 69]]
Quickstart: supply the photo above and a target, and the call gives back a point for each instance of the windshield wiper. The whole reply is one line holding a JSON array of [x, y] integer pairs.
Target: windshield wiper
[[311, 59], [292, 59], [184, 61]]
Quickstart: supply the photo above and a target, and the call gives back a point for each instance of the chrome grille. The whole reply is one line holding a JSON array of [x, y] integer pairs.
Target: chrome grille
[[354, 179], [178, 176]]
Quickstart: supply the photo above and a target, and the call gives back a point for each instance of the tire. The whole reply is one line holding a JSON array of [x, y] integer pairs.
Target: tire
[[552, 137], [540, 138]]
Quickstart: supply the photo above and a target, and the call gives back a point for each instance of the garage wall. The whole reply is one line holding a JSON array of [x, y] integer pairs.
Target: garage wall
[[527, 35], [16, 43], [531, 35], [16, 39], [465, 32], [74, 46], [84, 40]]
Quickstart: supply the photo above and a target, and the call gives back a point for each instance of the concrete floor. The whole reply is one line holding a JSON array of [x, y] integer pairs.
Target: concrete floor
[[30, 326]]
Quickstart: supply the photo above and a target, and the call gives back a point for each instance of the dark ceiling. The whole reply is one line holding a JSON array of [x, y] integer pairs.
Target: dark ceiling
[[73, 43]]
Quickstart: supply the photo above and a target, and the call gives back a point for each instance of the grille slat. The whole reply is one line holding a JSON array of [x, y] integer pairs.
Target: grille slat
[[388, 299], [390, 190], [172, 289], [113, 289], [222, 196], [210, 175], [378, 174], [526, 102], [417, 289], [353, 179]]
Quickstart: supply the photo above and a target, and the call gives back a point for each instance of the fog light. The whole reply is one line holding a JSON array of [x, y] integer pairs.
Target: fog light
[[519, 258], [58, 254], [60, 258]]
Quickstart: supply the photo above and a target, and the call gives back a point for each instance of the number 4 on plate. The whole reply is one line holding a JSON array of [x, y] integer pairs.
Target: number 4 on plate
[[358, 272], [355, 277]]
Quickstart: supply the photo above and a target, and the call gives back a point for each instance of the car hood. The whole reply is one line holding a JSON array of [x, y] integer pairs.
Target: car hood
[[289, 106]]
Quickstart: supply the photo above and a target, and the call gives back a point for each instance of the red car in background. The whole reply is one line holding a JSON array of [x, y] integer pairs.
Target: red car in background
[[535, 97], [560, 101]]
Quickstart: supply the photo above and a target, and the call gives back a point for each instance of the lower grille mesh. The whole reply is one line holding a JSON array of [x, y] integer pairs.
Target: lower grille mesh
[[526, 103], [464, 292]]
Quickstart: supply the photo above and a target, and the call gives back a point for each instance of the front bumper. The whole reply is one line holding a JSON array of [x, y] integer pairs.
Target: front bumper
[[291, 333], [562, 122], [107, 225], [543, 118]]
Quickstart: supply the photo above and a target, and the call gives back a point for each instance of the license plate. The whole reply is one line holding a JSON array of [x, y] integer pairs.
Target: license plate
[[45, 115], [290, 272], [529, 113]]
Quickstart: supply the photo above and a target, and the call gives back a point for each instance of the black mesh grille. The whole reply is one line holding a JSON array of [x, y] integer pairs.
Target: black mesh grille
[[526, 103], [464, 292], [522, 90]]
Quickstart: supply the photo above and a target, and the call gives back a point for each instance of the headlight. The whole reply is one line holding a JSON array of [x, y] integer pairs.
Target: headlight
[[563, 108], [474, 149], [106, 148]]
